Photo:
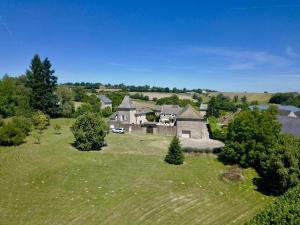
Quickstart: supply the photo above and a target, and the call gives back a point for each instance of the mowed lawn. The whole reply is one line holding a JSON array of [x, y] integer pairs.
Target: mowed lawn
[[126, 183]]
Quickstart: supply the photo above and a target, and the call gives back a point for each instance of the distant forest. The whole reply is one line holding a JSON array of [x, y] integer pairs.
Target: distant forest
[[133, 88]]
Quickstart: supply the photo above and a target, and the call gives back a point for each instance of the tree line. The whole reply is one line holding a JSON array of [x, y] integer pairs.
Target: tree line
[[286, 99]]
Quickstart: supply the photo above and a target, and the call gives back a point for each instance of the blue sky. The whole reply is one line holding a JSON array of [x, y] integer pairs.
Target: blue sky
[[224, 45]]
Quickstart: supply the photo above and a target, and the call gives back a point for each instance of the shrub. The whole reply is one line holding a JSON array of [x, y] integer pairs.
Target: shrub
[[10, 134], [83, 109], [1, 121], [200, 151], [23, 123], [106, 112], [89, 131], [285, 210], [40, 120], [175, 155]]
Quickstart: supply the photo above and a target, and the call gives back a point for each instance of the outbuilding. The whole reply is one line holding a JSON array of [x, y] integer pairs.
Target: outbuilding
[[190, 123]]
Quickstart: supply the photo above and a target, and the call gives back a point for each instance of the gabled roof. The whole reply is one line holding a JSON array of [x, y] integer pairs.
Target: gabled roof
[[126, 103], [170, 109], [105, 99], [189, 113], [143, 111], [282, 112], [290, 125]]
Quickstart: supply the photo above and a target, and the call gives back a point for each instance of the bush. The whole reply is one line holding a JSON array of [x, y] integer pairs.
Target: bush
[[200, 151], [23, 123], [83, 109], [10, 134], [89, 131], [285, 210], [216, 132], [40, 120], [280, 169], [175, 155], [106, 112]]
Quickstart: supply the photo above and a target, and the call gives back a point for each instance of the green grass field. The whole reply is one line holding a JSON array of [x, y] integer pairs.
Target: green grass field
[[126, 183]]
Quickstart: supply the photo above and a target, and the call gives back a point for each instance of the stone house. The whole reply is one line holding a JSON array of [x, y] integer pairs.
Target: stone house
[[190, 124], [187, 122], [167, 113], [126, 111], [203, 109], [105, 102]]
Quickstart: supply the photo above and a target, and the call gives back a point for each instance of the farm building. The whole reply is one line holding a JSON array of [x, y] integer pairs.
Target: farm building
[[105, 102], [185, 123], [190, 123]]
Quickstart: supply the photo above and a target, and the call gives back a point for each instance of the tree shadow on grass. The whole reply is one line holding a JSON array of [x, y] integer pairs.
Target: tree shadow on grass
[[88, 150]]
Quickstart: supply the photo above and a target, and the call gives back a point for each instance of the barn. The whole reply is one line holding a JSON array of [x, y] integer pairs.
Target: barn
[[190, 123]]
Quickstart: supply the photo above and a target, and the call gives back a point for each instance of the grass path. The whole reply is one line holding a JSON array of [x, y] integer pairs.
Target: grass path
[[126, 183]]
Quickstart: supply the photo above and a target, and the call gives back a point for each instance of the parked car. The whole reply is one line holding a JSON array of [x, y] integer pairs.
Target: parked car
[[118, 130]]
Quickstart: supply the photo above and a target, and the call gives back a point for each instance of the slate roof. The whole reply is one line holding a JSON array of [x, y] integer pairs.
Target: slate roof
[[105, 99], [282, 112], [143, 111], [170, 109], [189, 113], [290, 125], [297, 114], [290, 108], [126, 103]]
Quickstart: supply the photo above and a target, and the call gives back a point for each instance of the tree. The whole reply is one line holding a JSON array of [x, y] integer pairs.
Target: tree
[[79, 94], [106, 112], [41, 79], [251, 135], [10, 134], [175, 155], [280, 169], [89, 131], [83, 109], [65, 96], [284, 210], [40, 120], [244, 99], [218, 104], [14, 96]]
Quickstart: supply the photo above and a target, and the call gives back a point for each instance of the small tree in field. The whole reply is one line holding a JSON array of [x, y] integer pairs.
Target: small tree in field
[[175, 155], [89, 131]]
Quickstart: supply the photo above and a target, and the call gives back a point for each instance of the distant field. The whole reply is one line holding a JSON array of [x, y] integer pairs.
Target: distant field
[[163, 95], [260, 97], [126, 183], [141, 103]]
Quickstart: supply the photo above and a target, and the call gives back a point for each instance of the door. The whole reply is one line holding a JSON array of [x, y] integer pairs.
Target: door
[[149, 130], [186, 134]]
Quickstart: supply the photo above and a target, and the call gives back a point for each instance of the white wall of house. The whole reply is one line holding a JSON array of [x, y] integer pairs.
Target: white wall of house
[[140, 119], [127, 116], [103, 105]]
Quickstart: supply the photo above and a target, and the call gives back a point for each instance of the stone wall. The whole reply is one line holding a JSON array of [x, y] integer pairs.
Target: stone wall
[[136, 128], [195, 127]]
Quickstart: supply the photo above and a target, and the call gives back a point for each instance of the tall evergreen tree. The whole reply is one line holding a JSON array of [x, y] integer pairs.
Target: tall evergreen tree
[[41, 79], [175, 154]]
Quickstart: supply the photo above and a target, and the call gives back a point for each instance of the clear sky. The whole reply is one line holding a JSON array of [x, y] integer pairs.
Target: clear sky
[[224, 45]]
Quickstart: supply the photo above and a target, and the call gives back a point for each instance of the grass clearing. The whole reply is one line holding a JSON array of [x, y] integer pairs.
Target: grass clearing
[[126, 183]]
